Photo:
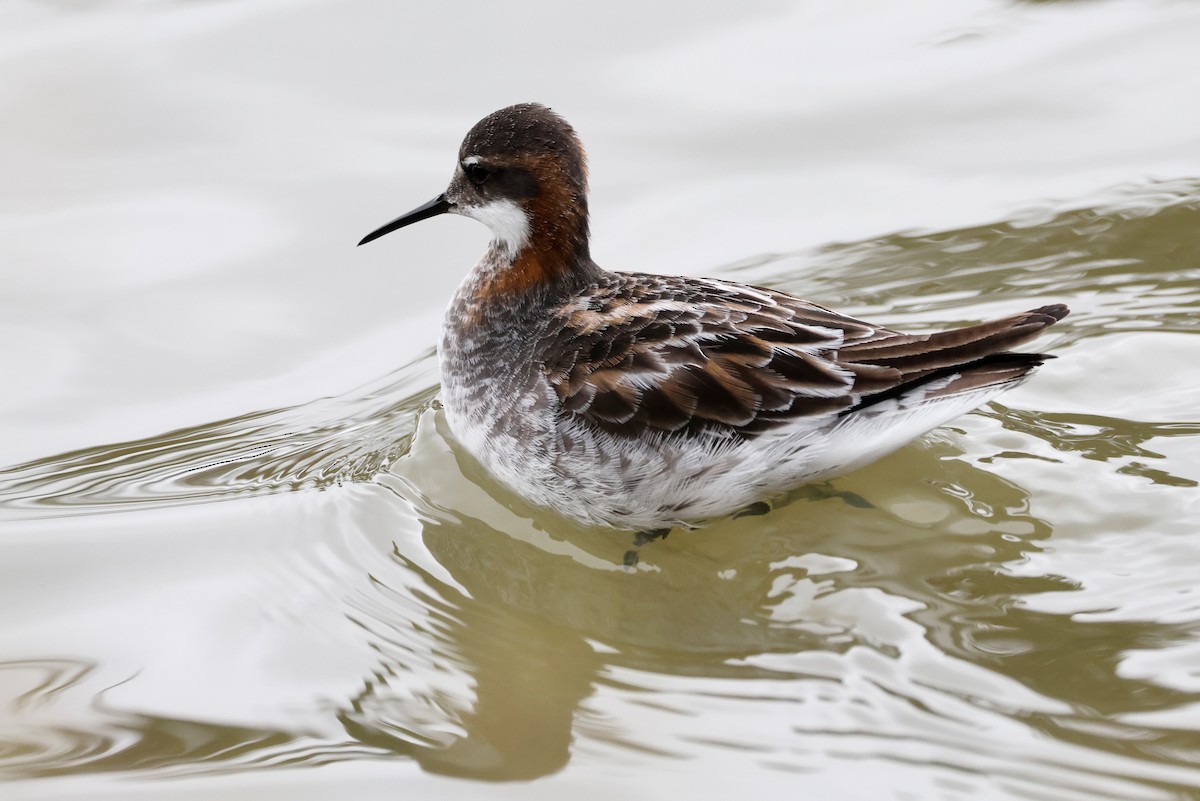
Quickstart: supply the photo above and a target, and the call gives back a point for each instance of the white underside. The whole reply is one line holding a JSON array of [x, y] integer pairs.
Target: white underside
[[662, 481]]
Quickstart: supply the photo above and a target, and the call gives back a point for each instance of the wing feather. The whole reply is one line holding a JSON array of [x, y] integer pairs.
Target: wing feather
[[640, 353]]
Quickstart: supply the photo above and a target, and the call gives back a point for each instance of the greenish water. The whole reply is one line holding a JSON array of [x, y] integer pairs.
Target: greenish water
[[303, 590]]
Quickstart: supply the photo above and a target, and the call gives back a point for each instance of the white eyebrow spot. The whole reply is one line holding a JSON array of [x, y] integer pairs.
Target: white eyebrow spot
[[469, 160], [509, 223]]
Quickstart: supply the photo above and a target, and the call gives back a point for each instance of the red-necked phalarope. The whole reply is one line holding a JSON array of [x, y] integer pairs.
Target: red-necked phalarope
[[643, 401]]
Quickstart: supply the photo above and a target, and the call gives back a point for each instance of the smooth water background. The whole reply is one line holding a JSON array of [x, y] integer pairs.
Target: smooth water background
[[240, 558]]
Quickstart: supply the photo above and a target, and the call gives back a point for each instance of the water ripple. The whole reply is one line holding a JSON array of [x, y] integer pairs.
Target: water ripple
[[947, 629], [346, 438]]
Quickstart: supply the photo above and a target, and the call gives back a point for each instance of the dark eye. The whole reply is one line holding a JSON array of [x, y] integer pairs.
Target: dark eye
[[477, 173]]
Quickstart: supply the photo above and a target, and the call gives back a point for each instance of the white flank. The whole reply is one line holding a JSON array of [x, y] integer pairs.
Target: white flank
[[509, 224]]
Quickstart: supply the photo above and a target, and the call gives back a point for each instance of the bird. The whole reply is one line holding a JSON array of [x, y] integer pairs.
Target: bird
[[649, 402]]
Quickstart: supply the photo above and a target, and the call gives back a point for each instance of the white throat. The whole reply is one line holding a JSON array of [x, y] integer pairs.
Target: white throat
[[508, 223]]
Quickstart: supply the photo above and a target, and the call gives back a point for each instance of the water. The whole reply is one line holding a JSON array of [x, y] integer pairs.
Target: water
[[239, 556]]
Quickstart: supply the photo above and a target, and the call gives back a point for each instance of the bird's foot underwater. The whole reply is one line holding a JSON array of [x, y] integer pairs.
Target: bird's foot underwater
[[826, 491], [640, 539]]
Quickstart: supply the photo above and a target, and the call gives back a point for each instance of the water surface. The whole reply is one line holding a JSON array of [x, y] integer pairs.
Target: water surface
[[241, 557]]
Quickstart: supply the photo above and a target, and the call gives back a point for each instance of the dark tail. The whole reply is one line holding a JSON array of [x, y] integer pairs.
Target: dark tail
[[948, 362]]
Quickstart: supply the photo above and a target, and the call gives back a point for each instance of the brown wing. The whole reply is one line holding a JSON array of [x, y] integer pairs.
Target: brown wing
[[645, 352]]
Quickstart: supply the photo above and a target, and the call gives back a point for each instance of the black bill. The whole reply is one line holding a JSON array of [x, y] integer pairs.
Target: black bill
[[439, 205]]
